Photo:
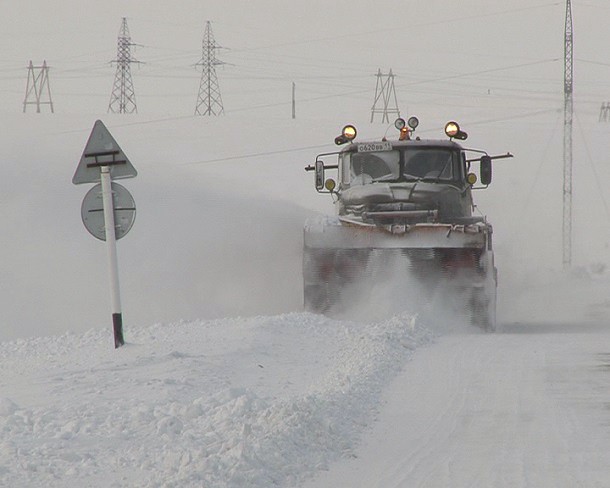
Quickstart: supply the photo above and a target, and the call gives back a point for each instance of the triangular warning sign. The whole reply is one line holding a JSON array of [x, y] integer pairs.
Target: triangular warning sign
[[102, 150]]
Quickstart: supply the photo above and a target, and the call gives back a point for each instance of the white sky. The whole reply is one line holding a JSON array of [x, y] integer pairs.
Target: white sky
[[441, 51]]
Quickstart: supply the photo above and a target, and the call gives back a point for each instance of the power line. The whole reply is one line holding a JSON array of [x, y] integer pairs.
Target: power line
[[296, 149], [255, 155], [402, 27], [598, 180]]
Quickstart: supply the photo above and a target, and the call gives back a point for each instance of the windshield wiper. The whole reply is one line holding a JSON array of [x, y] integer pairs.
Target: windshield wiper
[[386, 178], [442, 170]]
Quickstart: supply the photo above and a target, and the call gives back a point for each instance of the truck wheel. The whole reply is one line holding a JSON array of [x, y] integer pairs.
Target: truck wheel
[[483, 309]]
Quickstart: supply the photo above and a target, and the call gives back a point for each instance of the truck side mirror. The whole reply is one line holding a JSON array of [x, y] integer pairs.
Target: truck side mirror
[[485, 170], [319, 175]]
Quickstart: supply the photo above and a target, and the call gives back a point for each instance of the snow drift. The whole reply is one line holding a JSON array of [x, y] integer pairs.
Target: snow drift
[[258, 402]]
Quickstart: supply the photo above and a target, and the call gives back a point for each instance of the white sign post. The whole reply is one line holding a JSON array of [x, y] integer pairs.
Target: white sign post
[[113, 265], [103, 160]]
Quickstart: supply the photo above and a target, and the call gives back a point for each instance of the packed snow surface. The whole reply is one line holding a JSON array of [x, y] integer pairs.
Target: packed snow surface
[[302, 400], [525, 408]]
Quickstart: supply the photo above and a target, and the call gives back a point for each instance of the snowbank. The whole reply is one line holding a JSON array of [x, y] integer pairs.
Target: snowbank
[[256, 402]]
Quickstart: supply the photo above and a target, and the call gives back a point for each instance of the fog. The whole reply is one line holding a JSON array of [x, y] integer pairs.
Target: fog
[[221, 201], [201, 247]]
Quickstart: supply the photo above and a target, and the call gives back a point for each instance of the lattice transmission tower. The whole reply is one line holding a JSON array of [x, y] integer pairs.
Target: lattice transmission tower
[[568, 115], [385, 92], [123, 97], [37, 87], [209, 101]]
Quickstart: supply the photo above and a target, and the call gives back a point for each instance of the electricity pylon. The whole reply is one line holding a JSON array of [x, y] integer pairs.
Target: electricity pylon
[[385, 90], [568, 115], [209, 101], [37, 86], [123, 97]]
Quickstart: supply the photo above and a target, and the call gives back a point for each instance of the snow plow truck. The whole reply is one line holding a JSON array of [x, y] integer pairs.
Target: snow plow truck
[[406, 201]]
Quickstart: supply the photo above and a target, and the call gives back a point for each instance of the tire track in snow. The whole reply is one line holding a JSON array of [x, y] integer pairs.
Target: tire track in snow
[[490, 410]]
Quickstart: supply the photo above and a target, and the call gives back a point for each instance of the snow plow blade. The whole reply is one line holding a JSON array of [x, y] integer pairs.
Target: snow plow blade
[[341, 232], [341, 255]]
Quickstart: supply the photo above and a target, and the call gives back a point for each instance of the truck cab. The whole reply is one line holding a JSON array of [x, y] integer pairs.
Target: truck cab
[[405, 181]]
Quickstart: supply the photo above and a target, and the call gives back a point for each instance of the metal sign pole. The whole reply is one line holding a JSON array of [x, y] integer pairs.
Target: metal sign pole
[[113, 267]]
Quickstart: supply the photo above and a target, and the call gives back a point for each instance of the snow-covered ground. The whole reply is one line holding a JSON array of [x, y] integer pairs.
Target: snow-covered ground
[[224, 381], [258, 402], [303, 400]]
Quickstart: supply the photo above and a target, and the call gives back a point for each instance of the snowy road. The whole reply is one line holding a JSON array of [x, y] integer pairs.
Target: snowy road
[[303, 400], [526, 407]]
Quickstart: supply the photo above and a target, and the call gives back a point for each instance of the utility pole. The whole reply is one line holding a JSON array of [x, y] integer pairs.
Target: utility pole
[[123, 97], [568, 114], [604, 112], [294, 101], [37, 85], [384, 91], [209, 101]]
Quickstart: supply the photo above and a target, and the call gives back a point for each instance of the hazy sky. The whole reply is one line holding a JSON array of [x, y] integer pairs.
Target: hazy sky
[[512, 51]]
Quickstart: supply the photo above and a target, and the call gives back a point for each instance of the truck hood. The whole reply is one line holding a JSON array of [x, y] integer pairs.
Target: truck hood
[[413, 192], [448, 199]]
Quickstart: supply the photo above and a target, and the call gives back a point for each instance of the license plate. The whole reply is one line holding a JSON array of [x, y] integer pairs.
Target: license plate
[[375, 146]]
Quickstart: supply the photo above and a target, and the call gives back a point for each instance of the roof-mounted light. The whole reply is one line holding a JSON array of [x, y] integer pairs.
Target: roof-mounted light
[[406, 128], [348, 134], [452, 129], [413, 122], [349, 131]]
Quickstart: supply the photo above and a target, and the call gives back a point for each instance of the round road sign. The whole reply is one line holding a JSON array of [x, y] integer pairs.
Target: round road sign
[[92, 211]]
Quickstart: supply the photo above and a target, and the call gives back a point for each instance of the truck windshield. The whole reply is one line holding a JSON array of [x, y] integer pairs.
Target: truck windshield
[[368, 167], [430, 163]]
